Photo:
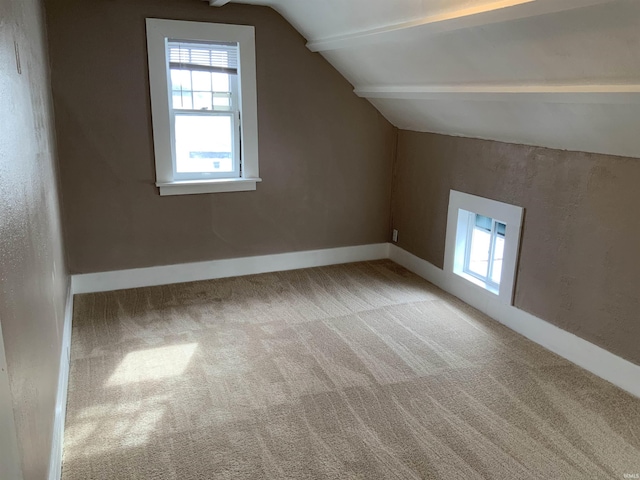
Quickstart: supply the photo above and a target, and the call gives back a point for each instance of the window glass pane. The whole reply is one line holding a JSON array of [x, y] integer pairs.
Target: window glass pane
[[484, 222], [479, 253], [202, 100], [201, 81], [177, 99], [182, 100], [220, 82], [204, 143], [498, 255], [180, 79], [501, 228], [221, 101]]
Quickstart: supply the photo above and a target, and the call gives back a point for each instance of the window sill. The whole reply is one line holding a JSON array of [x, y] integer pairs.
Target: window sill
[[190, 187], [477, 282]]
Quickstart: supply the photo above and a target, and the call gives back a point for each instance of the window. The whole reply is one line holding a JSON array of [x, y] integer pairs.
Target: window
[[484, 249], [204, 109], [203, 101], [483, 238]]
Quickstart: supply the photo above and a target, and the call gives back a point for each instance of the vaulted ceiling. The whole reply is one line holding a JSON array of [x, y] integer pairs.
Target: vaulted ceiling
[[555, 73]]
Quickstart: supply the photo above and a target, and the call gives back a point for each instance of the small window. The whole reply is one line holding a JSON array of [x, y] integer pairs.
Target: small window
[[484, 249], [482, 243], [203, 98]]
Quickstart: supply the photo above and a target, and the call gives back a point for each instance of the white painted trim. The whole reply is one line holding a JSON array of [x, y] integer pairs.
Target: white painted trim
[[159, 31], [597, 360], [10, 461], [475, 16], [55, 463], [189, 187], [190, 272], [595, 94], [218, 3]]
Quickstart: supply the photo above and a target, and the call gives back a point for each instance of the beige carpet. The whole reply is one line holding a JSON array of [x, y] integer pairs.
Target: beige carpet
[[353, 371]]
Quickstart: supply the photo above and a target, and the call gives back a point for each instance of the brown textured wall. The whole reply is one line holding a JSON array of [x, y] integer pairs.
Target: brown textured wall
[[325, 154], [579, 262], [33, 280]]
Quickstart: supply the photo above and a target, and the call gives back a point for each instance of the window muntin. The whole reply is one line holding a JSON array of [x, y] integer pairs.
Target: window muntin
[[204, 111]]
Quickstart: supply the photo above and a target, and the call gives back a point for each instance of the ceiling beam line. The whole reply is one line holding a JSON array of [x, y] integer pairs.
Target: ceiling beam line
[[485, 14], [604, 94]]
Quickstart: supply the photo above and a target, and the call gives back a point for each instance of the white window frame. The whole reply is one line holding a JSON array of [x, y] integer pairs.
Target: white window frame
[[458, 238], [159, 32]]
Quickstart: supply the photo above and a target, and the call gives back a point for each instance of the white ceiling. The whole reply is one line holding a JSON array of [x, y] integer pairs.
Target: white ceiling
[[555, 73]]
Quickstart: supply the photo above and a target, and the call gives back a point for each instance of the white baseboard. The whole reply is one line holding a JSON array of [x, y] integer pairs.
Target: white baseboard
[[10, 461], [602, 363], [597, 360], [55, 463], [191, 272]]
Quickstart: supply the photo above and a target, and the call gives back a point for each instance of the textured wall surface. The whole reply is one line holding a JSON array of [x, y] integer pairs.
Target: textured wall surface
[[325, 154], [579, 261], [33, 280]]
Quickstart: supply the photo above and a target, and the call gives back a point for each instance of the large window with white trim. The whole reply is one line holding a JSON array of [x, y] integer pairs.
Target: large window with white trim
[[203, 98], [482, 243]]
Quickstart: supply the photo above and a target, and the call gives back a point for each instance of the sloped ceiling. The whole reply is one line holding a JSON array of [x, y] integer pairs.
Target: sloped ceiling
[[554, 73]]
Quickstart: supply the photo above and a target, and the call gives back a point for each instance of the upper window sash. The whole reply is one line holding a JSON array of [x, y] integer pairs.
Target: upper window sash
[[185, 90]]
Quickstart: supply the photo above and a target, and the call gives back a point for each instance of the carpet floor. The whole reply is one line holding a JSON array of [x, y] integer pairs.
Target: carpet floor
[[359, 371]]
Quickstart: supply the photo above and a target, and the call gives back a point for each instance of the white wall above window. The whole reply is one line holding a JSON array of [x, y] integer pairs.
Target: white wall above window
[[205, 136], [470, 219]]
